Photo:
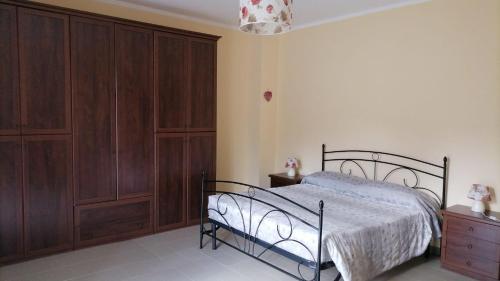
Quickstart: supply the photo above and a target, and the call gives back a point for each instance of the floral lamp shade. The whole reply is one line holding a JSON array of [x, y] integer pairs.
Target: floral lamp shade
[[292, 164], [480, 194], [265, 17]]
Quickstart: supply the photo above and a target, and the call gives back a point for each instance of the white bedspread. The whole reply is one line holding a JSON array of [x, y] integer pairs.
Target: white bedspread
[[369, 227]]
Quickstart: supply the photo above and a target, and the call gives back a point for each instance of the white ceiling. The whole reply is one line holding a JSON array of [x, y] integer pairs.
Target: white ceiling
[[225, 12]]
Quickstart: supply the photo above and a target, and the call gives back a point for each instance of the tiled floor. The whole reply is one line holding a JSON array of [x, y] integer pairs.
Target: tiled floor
[[175, 256]]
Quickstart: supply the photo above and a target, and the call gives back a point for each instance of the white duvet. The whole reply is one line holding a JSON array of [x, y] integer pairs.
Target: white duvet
[[369, 227]]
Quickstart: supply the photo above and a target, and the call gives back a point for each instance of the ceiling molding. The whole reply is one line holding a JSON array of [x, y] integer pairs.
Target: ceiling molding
[[358, 14], [167, 13], [231, 27]]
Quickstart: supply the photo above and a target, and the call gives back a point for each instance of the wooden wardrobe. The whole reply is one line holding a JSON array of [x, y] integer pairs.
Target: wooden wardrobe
[[105, 127]]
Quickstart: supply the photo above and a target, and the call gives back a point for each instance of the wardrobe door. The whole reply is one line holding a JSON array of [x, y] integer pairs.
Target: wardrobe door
[[171, 180], [201, 157], [171, 82], [9, 72], [135, 126], [11, 196], [44, 72], [48, 204], [202, 98], [93, 87]]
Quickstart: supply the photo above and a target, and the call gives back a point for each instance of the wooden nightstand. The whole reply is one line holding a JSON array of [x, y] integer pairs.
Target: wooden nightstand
[[282, 179], [471, 243]]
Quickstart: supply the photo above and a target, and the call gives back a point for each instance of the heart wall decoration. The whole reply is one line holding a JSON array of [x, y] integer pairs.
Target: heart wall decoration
[[268, 95]]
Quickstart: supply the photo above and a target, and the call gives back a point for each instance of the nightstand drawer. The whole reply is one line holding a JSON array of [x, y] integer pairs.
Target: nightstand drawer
[[470, 263], [467, 245], [478, 230]]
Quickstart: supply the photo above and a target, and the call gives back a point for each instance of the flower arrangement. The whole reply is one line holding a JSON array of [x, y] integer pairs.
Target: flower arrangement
[[292, 164]]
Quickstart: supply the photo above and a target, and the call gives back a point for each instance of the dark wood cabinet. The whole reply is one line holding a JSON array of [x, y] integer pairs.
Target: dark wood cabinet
[[181, 159], [44, 63], [11, 195], [9, 72], [202, 92], [94, 103], [185, 102], [471, 243], [48, 194], [201, 157], [105, 127], [113, 221], [185, 84], [171, 82], [135, 125], [171, 180]]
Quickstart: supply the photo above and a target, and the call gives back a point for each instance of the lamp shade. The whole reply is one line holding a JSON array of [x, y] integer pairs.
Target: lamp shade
[[265, 17], [479, 192]]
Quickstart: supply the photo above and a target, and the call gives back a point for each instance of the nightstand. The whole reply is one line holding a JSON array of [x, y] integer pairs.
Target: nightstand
[[282, 179], [471, 243]]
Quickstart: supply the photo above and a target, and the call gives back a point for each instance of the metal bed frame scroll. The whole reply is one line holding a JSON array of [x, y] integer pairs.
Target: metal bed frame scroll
[[314, 264]]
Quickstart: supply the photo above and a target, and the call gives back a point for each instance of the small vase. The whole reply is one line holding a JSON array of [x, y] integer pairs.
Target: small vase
[[291, 172], [478, 206]]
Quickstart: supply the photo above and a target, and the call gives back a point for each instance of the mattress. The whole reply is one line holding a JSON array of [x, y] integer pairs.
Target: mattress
[[369, 227]]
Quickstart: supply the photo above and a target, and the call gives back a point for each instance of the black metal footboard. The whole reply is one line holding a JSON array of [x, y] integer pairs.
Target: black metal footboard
[[252, 237]]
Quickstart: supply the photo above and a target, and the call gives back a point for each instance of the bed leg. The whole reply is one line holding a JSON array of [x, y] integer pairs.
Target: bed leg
[[214, 235], [427, 253], [201, 238], [320, 241]]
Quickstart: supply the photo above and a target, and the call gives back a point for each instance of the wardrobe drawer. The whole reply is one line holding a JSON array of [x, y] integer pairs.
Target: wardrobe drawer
[[111, 221], [478, 230], [467, 245]]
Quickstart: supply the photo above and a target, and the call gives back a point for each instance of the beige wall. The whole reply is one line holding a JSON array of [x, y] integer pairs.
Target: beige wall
[[422, 80]]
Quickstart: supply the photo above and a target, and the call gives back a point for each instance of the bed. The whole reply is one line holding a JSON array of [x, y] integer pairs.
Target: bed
[[361, 225]]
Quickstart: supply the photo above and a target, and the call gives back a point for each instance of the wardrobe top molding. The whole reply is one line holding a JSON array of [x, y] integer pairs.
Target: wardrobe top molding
[[73, 12]]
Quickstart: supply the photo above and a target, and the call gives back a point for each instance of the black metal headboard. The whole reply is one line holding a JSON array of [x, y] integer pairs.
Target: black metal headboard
[[396, 163]]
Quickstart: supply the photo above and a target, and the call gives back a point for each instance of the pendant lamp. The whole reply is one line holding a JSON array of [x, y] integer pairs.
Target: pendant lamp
[[265, 17]]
